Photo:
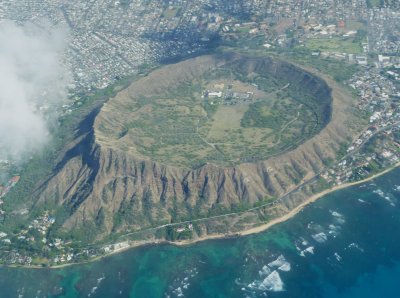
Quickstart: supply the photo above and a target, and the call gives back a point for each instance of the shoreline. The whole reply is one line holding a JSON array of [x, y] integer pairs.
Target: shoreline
[[290, 214], [311, 200], [250, 231]]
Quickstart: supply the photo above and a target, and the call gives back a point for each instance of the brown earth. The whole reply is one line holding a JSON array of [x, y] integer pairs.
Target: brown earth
[[119, 190]]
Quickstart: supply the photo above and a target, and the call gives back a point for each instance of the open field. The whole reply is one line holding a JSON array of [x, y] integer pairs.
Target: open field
[[354, 25], [335, 44], [374, 3]]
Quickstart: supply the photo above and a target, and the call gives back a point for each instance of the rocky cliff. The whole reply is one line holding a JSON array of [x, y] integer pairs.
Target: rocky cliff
[[120, 190]]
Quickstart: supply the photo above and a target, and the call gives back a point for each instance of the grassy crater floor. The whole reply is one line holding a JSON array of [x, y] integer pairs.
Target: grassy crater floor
[[236, 110]]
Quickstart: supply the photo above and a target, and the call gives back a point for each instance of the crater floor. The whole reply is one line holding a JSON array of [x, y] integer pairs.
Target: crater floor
[[221, 109]]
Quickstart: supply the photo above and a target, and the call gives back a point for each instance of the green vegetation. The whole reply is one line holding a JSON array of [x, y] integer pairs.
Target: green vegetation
[[41, 165], [125, 3], [321, 184], [342, 150], [244, 206], [225, 116], [172, 234], [355, 25], [169, 13], [335, 44], [340, 71], [259, 115], [374, 3], [266, 201]]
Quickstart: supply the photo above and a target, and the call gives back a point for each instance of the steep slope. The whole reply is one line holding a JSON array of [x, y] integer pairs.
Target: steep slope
[[102, 182]]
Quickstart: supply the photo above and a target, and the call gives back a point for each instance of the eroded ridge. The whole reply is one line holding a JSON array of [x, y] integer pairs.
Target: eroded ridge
[[206, 136]]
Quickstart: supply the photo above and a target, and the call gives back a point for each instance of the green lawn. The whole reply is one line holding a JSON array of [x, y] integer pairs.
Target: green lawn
[[335, 44], [374, 3], [354, 25]]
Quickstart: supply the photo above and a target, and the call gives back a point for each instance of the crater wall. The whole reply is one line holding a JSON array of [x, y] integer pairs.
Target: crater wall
[[119, 191]]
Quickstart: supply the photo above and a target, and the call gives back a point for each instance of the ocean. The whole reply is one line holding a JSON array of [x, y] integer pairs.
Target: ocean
[[347, 244]]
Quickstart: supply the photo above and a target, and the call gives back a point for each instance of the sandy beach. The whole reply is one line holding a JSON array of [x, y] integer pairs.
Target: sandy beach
[[285, 217], [250, 231], [312, 199]]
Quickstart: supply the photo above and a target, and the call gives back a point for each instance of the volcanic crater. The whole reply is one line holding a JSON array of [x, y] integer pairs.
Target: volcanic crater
[[200, 137]]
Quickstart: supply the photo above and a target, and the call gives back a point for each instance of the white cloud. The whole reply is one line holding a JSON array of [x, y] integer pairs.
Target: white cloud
[[31, 75]]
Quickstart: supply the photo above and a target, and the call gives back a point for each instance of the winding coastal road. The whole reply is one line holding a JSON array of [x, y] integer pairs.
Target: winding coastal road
[[278, 200]]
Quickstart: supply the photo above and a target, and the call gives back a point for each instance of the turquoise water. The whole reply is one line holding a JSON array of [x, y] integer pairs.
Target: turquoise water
[[345, 245]]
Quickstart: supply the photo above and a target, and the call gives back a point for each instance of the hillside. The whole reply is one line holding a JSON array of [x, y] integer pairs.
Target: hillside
[[113, 180]]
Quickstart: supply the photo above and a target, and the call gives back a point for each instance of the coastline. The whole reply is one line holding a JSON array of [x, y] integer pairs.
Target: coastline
[[311, 200], [290, 214], [254, 230]]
